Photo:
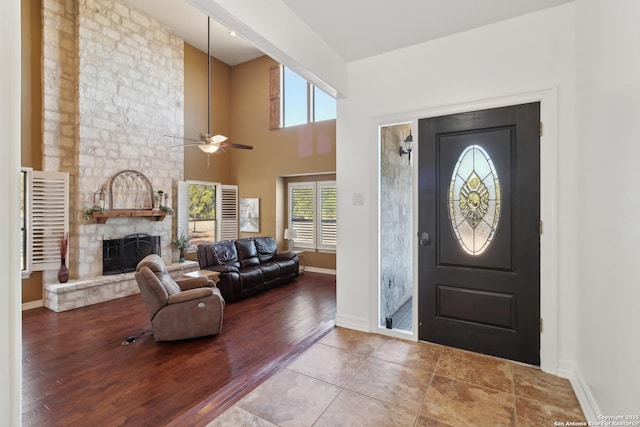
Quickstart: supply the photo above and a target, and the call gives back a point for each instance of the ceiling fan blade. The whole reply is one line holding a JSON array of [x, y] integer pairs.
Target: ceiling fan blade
[[183, 138], [232, 145], [186, 145], [212, 139]]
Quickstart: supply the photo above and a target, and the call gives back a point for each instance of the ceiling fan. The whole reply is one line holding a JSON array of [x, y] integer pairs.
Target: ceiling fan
[[208, 142]]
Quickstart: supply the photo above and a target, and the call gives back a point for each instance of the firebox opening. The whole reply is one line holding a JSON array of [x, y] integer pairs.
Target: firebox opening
[[123, 255]]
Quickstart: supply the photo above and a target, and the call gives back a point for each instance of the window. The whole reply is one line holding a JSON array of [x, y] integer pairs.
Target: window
[[474, 200], [207, 211], [313, 214], [301, 101]]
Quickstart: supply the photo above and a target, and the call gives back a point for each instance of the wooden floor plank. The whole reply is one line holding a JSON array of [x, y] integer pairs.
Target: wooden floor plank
[[77, 372]]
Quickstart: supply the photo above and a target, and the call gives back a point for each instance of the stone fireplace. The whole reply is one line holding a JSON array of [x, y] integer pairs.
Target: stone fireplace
[[113, 83]]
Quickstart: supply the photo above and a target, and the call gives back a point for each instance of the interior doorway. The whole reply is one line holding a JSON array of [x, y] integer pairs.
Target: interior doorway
[[395, 212]]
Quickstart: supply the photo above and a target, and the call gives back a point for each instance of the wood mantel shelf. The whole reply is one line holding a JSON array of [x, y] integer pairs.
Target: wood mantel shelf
[[102, 217]]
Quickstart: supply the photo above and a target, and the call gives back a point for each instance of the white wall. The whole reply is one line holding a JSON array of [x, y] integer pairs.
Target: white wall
[[520, 55], [10, 326], [608, 84]]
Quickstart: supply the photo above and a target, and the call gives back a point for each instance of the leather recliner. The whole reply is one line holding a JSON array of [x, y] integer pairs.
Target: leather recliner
[[179, 309]]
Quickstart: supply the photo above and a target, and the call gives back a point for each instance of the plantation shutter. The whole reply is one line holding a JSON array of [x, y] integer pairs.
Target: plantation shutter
[[48, 217], [227, 211], [182, 216], [302, 213], [328, 213]]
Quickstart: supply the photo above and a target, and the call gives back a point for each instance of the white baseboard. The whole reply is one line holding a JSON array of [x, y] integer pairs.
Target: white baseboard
[[320, 270], [352, 322], [32, 304], [587, 401]]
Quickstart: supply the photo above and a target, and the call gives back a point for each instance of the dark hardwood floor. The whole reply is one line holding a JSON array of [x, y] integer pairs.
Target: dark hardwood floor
[[76, 370]]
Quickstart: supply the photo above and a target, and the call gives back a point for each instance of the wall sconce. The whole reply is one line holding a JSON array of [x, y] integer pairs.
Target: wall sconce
[[290, 234], [408, 146]]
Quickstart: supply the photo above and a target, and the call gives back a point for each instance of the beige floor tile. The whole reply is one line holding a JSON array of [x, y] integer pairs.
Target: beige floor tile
[[462, 404], [478, 369], [235, 417], [413, 354], [391, 383], [355, 341], [330, 364], [430, 422], [354, 410], [290, 399], [532, 413], [532, 383]]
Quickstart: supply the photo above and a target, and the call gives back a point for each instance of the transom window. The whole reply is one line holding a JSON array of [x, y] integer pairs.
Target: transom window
[[302, 102]]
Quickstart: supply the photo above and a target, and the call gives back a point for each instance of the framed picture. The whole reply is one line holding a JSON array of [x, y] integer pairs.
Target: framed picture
[[250, 214]]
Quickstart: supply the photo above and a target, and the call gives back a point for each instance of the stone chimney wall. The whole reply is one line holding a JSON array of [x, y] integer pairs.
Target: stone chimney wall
[[113, 82]]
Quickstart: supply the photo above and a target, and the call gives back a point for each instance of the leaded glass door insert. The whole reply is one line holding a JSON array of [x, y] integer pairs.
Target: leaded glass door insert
[[474, 200]]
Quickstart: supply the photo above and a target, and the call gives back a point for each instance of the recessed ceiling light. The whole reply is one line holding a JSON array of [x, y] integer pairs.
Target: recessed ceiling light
[[233, 33]]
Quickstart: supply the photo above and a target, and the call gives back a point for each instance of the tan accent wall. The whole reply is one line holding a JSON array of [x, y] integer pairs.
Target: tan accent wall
[[261, 172], [31, 144], [217, 168]]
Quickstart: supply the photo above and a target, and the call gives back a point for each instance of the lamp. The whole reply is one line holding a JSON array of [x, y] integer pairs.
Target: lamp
[[208, 148], [290, 234], [408, 146]]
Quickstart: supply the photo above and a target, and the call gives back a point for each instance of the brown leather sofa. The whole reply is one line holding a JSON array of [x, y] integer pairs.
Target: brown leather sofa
[[247, 266], [178, 309]]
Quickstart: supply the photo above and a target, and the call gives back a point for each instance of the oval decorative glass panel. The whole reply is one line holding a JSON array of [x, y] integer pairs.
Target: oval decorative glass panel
[[474, 200]]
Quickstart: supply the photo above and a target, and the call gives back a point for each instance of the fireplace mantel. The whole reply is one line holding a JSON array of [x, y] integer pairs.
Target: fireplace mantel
[[102, 217]]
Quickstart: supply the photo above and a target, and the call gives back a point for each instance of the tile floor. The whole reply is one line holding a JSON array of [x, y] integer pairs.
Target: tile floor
[[351, 378]]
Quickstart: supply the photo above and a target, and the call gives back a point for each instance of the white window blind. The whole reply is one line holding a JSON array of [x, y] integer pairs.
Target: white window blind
[[327, 212], [227, 208], [313, 214], [302, 206], [48, 219]]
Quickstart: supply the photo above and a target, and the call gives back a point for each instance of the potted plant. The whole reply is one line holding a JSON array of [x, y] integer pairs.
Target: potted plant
[[86, 214], [182, 244]]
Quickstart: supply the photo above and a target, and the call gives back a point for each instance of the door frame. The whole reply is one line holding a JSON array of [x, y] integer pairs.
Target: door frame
[[548, 99]]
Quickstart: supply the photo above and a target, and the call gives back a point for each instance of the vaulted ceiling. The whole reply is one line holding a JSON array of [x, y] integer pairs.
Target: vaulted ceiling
[[355, 29]]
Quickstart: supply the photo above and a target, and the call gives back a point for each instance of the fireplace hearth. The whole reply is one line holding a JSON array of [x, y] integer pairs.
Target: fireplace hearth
[[123, 255]]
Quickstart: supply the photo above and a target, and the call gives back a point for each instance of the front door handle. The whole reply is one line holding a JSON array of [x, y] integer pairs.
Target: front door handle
[[425, 239]]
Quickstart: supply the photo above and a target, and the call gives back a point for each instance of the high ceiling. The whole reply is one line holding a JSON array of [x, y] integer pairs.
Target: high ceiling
[[355, 29]]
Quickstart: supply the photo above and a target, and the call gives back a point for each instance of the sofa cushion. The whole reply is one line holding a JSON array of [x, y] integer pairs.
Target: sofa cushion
[[251, 278], [246, 249], [210, 255], [249, 262], [226, 253], [270, 271], [266, 248], [247, 254]]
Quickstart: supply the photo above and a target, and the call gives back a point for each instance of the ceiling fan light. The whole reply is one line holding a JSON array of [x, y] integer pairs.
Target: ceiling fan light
[[208, 148]]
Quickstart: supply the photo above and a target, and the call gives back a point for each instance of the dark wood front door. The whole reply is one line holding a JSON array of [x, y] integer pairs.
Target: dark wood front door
[[479, 239]]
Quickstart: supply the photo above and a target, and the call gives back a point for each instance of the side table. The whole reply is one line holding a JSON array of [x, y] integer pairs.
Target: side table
[[300, 260], [211, 275]]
